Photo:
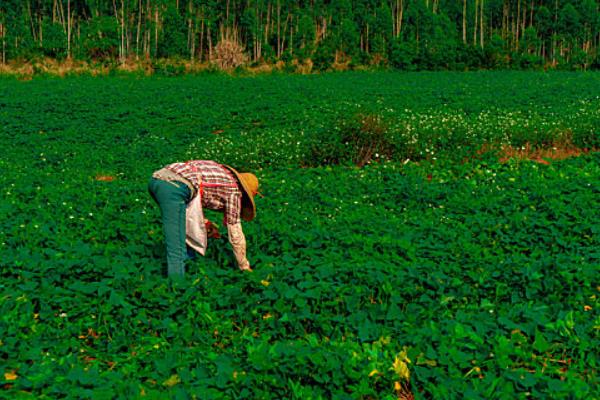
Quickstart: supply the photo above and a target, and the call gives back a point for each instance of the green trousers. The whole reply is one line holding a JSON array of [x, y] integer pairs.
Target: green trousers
[[172, 198]]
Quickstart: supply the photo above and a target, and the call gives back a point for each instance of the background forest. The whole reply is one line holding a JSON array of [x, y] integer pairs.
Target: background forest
[[403, 34]]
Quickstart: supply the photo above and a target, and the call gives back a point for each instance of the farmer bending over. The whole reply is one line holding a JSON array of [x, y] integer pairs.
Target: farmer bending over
[[182, 190]]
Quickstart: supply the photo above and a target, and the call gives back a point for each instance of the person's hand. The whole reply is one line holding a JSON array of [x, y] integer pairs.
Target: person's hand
[[246, 268], [211, 230]]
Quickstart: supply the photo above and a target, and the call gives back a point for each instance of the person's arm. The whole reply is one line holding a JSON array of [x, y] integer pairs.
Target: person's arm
[[238, 243]]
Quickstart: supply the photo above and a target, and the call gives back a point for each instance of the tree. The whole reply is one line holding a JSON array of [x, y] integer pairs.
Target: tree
[[324, 54], [382, 29], [173, 40], [440, 42], [530, 44], [569, 26], [348, 38], [530, 41], [305, 36], [543, 21], [569, 21], [590, 19], [55, 40], [101, 38], [403, 55], [495, 55]]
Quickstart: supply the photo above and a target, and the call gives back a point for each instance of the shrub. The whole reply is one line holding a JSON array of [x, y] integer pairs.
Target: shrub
[[522, 136], [229, 54], [368, 139], [359, 140], [325, 149]]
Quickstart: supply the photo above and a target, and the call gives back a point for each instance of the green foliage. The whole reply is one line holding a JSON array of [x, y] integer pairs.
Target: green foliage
[[324, 55], [305, 37], [249, 25], [101, 38], [173, 43], [569, 21], [403, 55], [495, 55], [55, 41], [348, 38], [483, 275]]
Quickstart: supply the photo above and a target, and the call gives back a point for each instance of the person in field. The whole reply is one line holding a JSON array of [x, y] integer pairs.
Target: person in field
[[183, 189]]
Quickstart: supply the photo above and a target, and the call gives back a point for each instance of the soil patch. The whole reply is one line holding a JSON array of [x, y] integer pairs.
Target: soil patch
[[105, 178], [537, 154]]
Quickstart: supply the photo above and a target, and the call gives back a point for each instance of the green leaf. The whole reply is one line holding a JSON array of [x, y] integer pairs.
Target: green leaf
[[540, 344]]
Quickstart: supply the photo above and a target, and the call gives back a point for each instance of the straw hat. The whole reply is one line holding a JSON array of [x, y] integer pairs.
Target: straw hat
[[249, 186]]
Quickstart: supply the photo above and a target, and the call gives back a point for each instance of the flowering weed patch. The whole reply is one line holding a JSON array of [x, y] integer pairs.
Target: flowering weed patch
[[445, 279]]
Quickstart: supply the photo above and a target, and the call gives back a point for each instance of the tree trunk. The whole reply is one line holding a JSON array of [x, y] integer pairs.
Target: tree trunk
[[61, 15], [504, 20], [209, 37], [139, 28], [202, 36], [3, 34], [531, 13], [481, 32], [278, 28], [127, 41], [68, 29], [122, 31], [156, 32], [292, 35], [542, 50], [362, 41], [554, 33], [116, 11], [400, 17], [367, 41], [476, 24], [464, 22], [524, 17], [31, 25], [266, 39], [561, 48], [41, 25], [490, 24], [191, 39], [148, 30], [284, 33], [417, 33], [518, 24]]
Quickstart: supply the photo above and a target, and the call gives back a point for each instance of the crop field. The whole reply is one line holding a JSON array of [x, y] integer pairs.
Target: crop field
[[440, 268]]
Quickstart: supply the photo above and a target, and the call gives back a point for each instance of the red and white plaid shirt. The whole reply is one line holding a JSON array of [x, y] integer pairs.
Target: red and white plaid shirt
[[217, 186]]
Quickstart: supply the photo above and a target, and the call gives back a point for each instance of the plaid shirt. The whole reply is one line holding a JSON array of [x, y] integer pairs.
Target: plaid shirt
[[217, 187]]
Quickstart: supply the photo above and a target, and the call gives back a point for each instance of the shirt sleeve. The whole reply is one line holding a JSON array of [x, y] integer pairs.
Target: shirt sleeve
[[233, 208], [238, 243]]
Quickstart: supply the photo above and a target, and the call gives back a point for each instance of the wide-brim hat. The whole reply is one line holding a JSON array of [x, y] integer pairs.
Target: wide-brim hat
[[249, 186]]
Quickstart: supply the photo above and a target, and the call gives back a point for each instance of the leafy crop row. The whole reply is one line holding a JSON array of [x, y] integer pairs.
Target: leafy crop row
[[274, 121]]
